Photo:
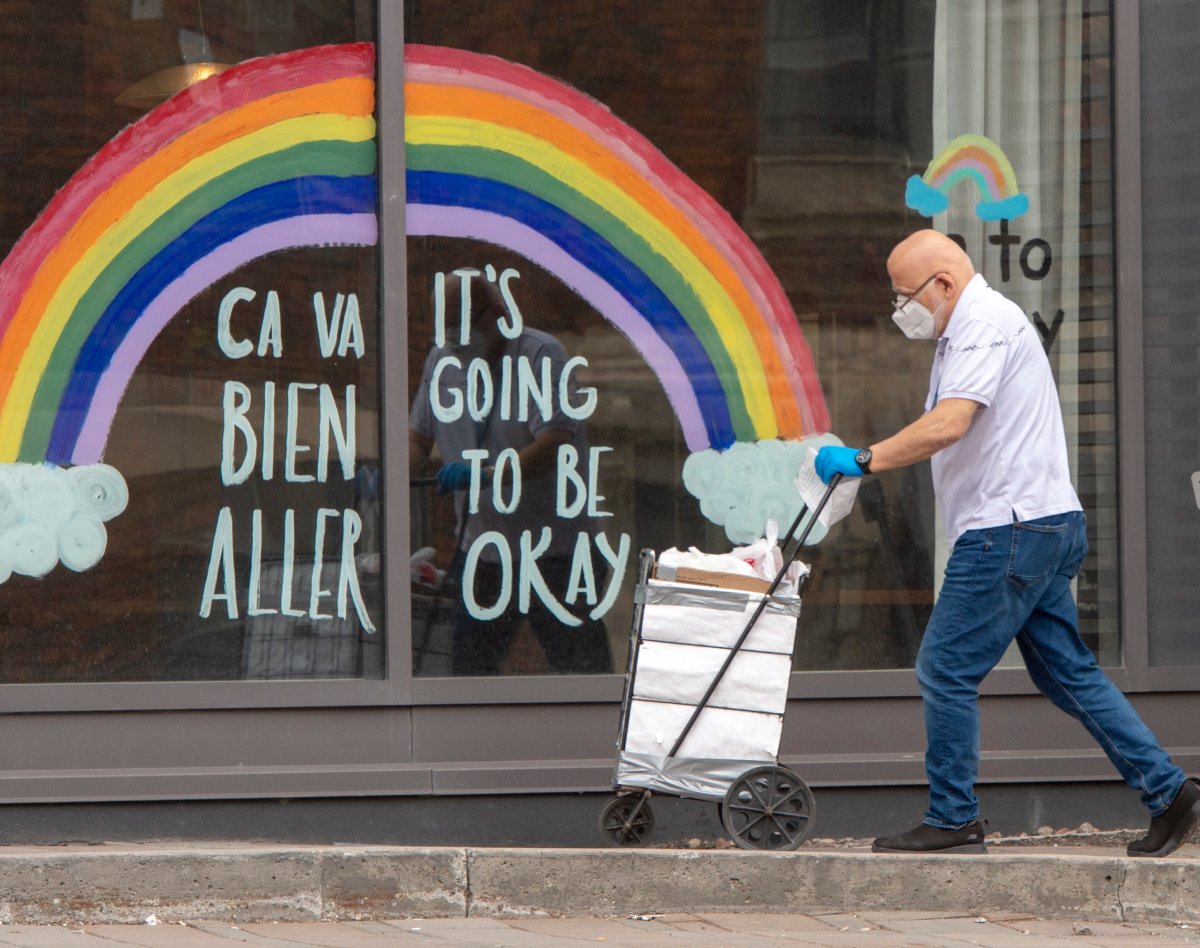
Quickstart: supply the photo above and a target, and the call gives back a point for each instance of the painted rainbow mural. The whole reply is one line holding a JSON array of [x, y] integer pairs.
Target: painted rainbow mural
[[973, 158], [498, 152], [273, 154], [279, 152]]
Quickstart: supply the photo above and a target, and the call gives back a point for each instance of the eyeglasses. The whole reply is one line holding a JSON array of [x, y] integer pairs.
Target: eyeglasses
[[900, 302]]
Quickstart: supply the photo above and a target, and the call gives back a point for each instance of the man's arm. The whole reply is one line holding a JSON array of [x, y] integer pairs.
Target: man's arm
[[538, 456], [420, 448], [925, 437]]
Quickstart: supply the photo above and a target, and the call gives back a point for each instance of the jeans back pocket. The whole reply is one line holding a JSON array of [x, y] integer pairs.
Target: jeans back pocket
[[1037, 551]]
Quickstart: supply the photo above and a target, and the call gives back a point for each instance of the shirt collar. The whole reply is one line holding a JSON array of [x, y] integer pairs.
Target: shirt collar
[[975, 286]]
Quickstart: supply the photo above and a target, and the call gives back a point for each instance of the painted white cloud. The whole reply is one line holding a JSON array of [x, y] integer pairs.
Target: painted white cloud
[[744, 486], [51, 515]]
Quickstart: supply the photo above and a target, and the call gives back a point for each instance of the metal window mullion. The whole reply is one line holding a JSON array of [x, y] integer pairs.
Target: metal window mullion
[[1131, 458], [393, 323]]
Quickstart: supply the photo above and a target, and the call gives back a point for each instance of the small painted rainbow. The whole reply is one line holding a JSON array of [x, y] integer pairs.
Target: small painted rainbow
[[969, 158], [501, 153], [278, 153]]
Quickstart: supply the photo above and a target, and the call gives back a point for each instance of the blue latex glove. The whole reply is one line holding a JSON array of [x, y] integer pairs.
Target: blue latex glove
[[453, 477], [833, 459]]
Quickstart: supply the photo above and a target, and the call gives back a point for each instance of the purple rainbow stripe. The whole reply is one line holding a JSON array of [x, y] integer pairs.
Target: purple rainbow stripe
[[323, 230]]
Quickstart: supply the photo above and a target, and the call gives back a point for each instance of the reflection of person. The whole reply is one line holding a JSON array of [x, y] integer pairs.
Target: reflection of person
[[993, 429], [481, 645]]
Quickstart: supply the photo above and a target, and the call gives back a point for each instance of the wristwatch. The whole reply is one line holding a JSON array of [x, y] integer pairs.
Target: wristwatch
[[863, 460]]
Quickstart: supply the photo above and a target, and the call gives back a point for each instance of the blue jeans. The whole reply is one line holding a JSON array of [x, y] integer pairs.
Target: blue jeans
[[1008, 582]]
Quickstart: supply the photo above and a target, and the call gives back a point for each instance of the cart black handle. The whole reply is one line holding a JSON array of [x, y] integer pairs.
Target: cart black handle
[[837, 479]]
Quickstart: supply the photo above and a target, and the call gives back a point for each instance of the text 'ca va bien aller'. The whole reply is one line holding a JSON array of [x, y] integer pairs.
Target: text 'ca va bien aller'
[[324, 585]]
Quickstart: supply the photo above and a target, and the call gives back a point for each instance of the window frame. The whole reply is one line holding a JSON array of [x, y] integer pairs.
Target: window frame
[[399, 688], [395, 687]]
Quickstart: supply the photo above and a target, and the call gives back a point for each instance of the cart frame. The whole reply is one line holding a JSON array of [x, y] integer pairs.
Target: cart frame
[[767, 806]]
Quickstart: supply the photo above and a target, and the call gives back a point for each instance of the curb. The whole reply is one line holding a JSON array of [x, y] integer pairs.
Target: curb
[[265, 883]]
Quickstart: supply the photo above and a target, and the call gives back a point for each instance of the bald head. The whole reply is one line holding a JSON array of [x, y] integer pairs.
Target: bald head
[[485, 310], [934, 265], [925, 253], [485, 296]]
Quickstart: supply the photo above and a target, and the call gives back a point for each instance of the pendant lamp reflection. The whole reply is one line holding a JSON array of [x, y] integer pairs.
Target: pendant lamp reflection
[[160, 86], [198, 64]]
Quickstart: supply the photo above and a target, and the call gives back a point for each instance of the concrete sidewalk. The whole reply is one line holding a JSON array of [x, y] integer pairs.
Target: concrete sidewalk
[[239, 883], [862, 930]]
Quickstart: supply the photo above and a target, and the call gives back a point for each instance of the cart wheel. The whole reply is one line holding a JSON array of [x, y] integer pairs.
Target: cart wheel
[[627, 820], [768, 808]]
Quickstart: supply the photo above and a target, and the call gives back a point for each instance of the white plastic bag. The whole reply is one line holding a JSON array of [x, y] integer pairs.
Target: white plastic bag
[[766, 559], [422, 570], [763, 555]]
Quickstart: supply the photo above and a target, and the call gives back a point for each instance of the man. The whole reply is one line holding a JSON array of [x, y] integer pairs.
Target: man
[[571, 641], [993, 431]]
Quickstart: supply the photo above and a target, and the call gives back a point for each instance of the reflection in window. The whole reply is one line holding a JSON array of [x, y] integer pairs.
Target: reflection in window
[[501, 406]]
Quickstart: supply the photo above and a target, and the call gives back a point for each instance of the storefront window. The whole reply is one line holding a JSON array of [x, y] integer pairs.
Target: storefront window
[[1170, 76], [804, 122], [189, 340]]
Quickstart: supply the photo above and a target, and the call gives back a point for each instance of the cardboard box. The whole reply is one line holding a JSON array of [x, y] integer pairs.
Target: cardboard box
[[700, 577]]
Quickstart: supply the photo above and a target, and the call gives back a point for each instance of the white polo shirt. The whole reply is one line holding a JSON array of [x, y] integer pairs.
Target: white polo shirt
[[1012, 462]]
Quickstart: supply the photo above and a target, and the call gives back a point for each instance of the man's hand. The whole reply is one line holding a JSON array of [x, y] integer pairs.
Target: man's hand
[[453, 477], [837, 460]]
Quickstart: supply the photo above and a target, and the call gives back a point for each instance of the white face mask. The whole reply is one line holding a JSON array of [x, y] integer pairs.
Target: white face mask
[[914, 318]]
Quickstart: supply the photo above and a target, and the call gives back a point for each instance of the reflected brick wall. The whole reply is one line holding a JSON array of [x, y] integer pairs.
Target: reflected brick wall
[[63, 64], [685, 76]]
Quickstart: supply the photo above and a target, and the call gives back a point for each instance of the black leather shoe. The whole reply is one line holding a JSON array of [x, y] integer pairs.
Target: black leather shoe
[[1169, 830], [932, 839]]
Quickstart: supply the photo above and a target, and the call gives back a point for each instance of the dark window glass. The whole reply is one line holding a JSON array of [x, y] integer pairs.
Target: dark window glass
[[1170, 80], [191, 449]]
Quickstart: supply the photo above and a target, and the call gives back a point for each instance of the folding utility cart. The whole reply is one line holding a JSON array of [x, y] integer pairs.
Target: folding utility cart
[[702, 713]]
